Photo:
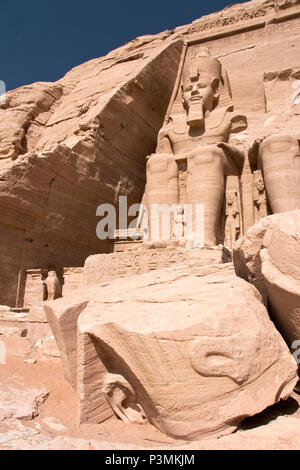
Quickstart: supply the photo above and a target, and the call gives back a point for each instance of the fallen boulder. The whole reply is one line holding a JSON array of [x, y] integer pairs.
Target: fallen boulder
[[195, 346]]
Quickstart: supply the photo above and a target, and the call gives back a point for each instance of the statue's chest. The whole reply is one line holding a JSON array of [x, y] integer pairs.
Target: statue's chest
[[183, 138]]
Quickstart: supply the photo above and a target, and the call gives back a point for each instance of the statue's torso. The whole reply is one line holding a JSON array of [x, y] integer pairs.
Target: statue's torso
[[184, 139]]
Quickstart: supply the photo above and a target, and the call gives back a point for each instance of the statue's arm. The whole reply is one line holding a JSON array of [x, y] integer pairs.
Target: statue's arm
[[234, 159], [163, 147], [163, 140], [139, 224]]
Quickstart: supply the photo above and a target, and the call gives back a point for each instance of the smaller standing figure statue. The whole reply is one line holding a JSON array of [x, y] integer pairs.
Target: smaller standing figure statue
[[178, 223], [53, 286], [259, 196], [232, 224]]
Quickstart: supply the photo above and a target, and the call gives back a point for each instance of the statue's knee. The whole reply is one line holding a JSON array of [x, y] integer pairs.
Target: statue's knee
[[160, 164], [279, 144]]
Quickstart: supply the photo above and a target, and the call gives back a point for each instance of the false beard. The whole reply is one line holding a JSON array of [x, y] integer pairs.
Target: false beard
[[195, 116]]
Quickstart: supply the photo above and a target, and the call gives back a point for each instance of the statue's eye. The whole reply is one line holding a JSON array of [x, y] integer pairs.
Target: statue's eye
[[202, 85], [188, 88]]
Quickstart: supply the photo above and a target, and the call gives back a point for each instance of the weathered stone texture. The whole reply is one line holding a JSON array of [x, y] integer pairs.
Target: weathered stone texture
[[195, 343], [281, 273], [247, 251]]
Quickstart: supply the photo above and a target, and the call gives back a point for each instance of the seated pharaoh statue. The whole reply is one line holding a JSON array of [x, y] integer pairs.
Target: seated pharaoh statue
[[194, 158]]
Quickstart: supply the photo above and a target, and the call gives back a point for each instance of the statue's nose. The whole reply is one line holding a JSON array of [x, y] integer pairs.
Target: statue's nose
[[195, 91]]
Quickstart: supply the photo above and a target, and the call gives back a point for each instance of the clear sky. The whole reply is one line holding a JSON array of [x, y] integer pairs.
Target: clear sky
[[42, 39]]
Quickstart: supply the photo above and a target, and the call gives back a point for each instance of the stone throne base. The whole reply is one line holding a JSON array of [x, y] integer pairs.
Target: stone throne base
[[105, 267]]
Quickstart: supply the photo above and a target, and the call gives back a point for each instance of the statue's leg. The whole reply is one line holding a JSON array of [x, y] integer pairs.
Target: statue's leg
[[232, 233], [227, 237], [205, 185], [162, 191], [279, 157]]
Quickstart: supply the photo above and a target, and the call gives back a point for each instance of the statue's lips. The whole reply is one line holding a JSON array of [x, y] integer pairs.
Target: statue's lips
[[196, 99]]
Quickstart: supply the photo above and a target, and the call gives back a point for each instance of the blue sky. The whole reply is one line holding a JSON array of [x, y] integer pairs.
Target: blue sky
[[42, 39]]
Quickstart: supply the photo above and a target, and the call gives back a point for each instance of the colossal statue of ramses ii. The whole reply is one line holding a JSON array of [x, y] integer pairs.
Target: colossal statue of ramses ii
[[193, 157]]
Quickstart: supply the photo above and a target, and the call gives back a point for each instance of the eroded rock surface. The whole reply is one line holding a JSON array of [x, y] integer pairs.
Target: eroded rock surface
[[281, 273], [70, 146], [246, 253], [273, 240], [268, 256]]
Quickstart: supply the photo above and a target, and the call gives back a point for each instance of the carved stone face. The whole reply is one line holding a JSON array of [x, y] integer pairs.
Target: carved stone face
[[259, 183], [198, 91], [230, 196]]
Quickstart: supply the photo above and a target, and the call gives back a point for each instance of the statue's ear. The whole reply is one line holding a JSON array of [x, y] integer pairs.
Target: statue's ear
[[182, 91], [216, 93], [215, 87]]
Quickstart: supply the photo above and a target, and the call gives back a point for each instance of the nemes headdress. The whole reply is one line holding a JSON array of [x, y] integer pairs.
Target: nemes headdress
[[205, 66], [201, 63]]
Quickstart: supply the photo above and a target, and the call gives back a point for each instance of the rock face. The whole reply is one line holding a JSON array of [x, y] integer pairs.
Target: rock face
[[194, 343], [71, 148], [21, 405]]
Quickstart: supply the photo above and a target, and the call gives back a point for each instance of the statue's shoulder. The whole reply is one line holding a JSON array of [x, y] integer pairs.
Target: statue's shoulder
[[176, 123], [226, 116], [164, 136], [238, 121]]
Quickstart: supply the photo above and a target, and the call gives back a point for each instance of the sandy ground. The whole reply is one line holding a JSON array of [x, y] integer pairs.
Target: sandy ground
[[53, 424]]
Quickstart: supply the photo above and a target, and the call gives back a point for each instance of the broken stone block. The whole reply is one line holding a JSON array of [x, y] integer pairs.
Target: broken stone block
[[246, 254], [195, 344], [62, 316], [281, 273]]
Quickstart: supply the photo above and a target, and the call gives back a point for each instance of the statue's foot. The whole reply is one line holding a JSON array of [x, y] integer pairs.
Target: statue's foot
[[153, 244]]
